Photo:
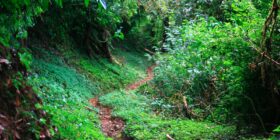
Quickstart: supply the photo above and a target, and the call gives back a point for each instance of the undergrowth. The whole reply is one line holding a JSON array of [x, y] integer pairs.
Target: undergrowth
[[127, 68], [142, 123], [65, 93], [66, 81]]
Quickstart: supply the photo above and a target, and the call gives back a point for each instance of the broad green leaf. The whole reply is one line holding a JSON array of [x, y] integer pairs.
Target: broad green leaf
[[277, 130], [59, 3], [227, 63], [25, 59], [87, 2], [27, 2], [45, 4]]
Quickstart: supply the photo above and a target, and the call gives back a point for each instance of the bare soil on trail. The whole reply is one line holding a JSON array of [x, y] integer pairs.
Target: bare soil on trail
[[111, 126], [150, 76], [114, 126]]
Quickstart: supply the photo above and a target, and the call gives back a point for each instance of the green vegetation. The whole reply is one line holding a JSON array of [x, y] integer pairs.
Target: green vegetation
[[211, 63], [214, 62], [143, 123], [115, 76], [66, 89], [66, 93], [65, 65]]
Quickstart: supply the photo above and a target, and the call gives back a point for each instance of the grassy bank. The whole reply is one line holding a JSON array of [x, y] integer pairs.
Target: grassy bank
[[143, 123], [66, 80]]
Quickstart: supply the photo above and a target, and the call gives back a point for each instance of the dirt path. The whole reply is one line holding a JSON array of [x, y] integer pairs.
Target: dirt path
[[113, 126], [150, 76]]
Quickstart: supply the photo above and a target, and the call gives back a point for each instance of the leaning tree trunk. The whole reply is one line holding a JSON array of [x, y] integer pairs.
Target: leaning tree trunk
[[105, 45], [97, 39], [269, 66]]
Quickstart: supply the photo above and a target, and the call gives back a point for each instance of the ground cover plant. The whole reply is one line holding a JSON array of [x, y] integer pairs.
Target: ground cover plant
[[145, 69]]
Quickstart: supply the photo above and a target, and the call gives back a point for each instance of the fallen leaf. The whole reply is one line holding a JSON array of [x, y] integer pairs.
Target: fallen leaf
[[9, 82], [18, 91], [16, 134], [48, 133], [17, 101], [42, 135], [4, 61]]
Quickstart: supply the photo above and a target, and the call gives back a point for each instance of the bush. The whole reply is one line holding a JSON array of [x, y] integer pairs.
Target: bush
[[212, 64]]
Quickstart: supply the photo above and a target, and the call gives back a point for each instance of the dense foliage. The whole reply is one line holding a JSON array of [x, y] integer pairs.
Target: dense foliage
[[215, 64], [217, 70]]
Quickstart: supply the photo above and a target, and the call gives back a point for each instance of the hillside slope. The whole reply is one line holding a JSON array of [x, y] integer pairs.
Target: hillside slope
[[66, 80]]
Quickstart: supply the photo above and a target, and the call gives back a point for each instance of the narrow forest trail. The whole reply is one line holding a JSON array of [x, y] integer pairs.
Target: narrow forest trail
[[114, 126], [150, 76]]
